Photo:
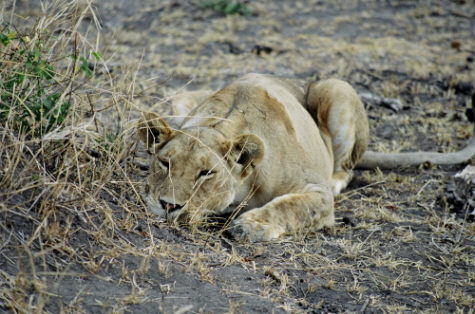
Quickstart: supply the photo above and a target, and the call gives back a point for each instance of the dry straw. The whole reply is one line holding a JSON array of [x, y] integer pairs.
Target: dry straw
[[60, 158]]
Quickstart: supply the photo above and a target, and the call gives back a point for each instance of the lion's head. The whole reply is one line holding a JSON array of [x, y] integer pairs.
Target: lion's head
[[196, 171]]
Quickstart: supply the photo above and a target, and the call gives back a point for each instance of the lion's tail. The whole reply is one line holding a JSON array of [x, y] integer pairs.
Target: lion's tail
[[372, 160]]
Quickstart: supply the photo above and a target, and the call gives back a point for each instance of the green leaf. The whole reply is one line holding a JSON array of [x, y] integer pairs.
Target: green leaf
[[85, 67], [47, 105], [29, 65], [37, 53], [97, 55], [4, 39], [231, 8], [20, 78], [12, 35], [46, 71]]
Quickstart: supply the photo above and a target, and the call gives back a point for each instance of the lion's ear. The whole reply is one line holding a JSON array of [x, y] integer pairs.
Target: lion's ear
[[248, 150], [153, 130]]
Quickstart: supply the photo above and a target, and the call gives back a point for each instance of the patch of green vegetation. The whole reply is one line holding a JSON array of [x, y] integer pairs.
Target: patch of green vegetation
[[110, 142], [228, 7], [32, 99]]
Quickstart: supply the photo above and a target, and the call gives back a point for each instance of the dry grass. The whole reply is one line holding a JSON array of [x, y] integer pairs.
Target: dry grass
[[74, 235], [65, 185]]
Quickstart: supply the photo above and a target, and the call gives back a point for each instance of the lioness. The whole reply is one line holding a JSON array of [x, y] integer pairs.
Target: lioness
[[278, 150]]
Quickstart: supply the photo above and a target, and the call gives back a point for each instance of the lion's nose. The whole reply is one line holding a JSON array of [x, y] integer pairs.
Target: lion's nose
[[170, 207]]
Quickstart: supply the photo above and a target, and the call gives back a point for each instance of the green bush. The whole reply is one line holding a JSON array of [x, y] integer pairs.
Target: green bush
[[32, 99], [227, 6]]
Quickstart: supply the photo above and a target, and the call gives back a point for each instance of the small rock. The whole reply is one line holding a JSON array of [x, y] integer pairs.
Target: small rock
[[375, 100], [456, 44], [465, 88], [460, 193], [258, 251]]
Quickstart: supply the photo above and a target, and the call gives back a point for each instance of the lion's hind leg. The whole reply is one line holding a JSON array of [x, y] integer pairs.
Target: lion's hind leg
[[342, 121]]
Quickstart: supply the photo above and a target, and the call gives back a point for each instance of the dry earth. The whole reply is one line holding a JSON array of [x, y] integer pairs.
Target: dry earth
[[88, 246]]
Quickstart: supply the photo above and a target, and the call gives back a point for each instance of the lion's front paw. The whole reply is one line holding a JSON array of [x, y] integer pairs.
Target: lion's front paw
[[245, 228]]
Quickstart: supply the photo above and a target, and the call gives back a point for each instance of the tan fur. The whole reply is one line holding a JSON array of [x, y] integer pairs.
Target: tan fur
[[183, 103], [278, 148]]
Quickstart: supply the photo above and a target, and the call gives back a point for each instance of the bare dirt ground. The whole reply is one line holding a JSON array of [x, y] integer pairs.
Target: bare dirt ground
[[88, 246]]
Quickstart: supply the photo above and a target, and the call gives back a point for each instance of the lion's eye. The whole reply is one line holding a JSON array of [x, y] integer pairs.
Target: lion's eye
[[165, 163], [205, 173]]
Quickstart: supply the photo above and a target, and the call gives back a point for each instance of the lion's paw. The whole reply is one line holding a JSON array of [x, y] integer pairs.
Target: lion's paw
[[245, 228]]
